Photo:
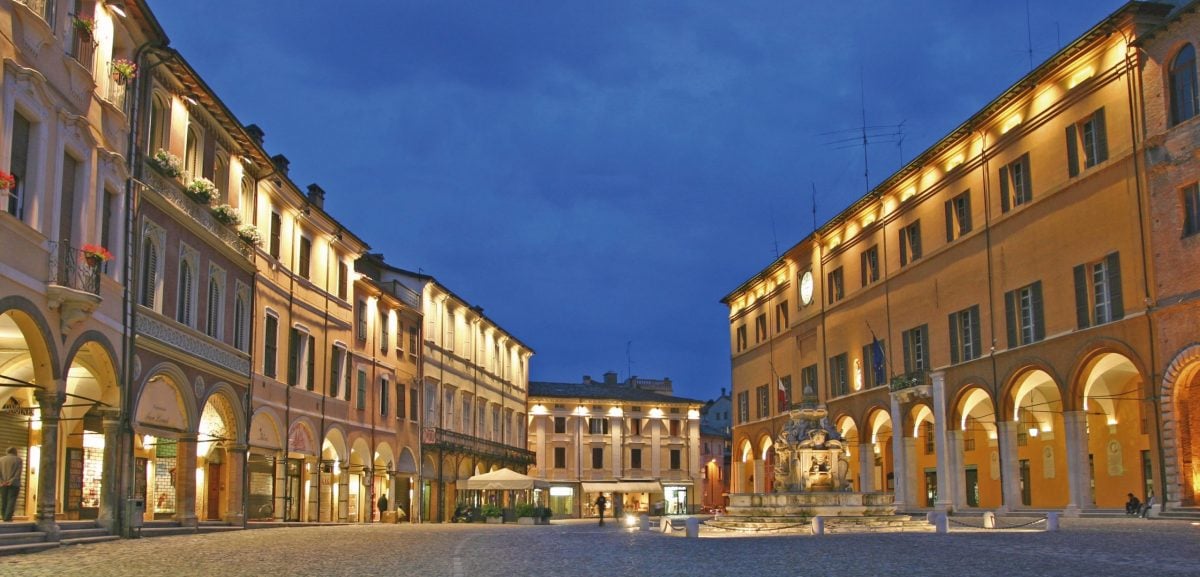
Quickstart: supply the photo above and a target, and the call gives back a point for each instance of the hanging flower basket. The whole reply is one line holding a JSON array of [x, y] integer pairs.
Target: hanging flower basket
[[83, 26], [7, 181], [123, 70], [95, 254]]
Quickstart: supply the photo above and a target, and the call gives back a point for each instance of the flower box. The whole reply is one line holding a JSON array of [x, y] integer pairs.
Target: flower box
[[167, 163], [227, 214], [202, 190]]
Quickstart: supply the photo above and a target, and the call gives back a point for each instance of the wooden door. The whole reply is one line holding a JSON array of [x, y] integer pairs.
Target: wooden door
[[214, 492]]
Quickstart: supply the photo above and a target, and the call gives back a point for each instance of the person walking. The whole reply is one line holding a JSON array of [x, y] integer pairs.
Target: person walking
[[382, 505], [601, 504], [10, 483]]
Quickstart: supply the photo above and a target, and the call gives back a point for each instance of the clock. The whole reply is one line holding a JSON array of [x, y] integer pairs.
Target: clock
[[806, 288]]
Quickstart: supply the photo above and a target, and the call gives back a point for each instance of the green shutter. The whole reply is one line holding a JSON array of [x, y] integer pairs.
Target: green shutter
[[955, 318], [1101, 136], [975, 333], [1039, 319], [907, 338], [916, 239], [1072, 151], [1114, 283], [293, 354], [1010, 317], [925, 346], [1003, 189], [312, 362], [903, 247], [1082, 308], [949, 221]]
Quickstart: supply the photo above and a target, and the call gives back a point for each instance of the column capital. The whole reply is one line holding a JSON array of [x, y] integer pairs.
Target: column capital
[[238, 448], [48, 400]]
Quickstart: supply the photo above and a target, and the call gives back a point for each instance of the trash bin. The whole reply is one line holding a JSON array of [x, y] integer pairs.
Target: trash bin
[[135, 511]]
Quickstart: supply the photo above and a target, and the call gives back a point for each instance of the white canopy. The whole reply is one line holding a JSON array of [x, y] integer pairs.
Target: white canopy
[[503, 480]]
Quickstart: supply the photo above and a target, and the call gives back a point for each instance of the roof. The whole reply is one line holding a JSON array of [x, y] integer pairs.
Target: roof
[[711, 431], [600, 391]]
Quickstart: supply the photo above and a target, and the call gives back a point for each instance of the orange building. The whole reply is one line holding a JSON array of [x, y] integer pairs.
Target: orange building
[[980, 324]]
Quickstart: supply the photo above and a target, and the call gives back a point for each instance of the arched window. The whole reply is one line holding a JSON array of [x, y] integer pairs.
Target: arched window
[[149, 274], [191, 153], [183, 310], [246, 201], [213, 328], [157, 131], [1182, 74], [241, 322], [221, 177]]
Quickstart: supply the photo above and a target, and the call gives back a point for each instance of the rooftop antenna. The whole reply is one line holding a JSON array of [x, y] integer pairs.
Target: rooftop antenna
[[862, 91], [864, 134], [814, 205], [628, 361], [774, 236], [1029, 34]]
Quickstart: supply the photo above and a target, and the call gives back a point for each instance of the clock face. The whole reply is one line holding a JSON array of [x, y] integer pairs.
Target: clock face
[[806, 288]]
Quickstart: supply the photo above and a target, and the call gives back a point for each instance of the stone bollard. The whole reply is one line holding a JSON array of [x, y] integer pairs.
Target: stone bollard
[[941, 523], [693, 527], [989, 520], [931, 517], [818, 525], [644, 522], [1052, 521]]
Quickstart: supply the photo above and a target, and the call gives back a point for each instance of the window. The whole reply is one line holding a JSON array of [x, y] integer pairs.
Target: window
[[781, 317], [68, 208], [495, 422], [187, 292], [1087, 137], [343, 287], [107, 237], [383, 330], [362, 321], [276, 234], [874, 364], [360, 402], [868, 264], [294, 359], [1191, 209], [241, 321], [215, 305], [384, 387], [305, 257], [192, 154], [763, 393], [675, 459], [18, 166], [1098, 297], [910, 243], [958, 216], [448, 408], [597, 457], [336, 360], [785, 395], [744, 407], [1015, 186], [159, 124], [1023, 315], [635, 426], [741, 338], [412, 342], [836, 289], [150, 255], [635, 458], [221, 175], [399, 339], [674, 427], [927, 435], [399, 402], [839, 374], [760, 328], [246, 201], [808, 381], [560, 425], [965, 343], [916, 349], [468, 425], [560, 457], [598, 425], [1182, 75], [270, 345]]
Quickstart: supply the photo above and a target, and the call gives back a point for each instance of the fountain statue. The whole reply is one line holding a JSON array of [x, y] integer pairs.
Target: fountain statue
[[809, 453]]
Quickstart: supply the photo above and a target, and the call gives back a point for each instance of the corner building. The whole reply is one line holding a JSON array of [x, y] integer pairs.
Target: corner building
[[980, 323]]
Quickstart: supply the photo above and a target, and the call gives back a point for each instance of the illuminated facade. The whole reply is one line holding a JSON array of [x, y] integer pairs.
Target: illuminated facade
[[716, 450], [632, 441], [980, 324]]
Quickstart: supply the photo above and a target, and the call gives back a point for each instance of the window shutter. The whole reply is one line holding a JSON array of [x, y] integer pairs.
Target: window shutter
[[915, 229], [955, 319], [1115, 298], [949, 221], [149, 273], [868, 369], [908, 364], [975, 333], [1101, 137], [1027, 182], [1039, 319], [1003, 189], [903, 247], [334, 366], [312, 361], [293, 353], [1082, 310], [862, 267], [924, 331], [1072, 151], [1010, 317], [964, 224]]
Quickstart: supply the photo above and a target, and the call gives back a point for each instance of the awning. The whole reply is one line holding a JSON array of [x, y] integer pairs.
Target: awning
[[501, 480], [622, 487]]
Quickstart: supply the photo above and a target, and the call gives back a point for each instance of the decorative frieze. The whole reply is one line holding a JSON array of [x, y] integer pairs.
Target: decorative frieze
[[191, 344]]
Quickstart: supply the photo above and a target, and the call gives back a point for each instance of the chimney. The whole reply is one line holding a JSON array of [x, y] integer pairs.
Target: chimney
[[316, 194], [281, 163], [256, 133], [587, 379], [722, 392], [610, 378]]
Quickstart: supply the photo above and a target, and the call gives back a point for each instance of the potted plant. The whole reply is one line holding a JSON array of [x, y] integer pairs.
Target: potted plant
[[202, 190], [250, 235], [95, 254], [167, 163], [492, 514], [83, 26], [227, 214], [525, 513], [7, 181], [123, 70], [543, 515]]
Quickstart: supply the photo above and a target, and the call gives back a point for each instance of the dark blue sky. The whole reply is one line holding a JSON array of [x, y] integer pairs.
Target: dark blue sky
[[594, 173]]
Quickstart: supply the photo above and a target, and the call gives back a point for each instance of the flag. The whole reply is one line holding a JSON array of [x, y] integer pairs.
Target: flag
[[783, 396], [877, 365]]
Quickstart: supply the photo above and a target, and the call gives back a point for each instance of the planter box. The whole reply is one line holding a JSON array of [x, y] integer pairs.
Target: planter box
[[495, 520], [526, 521]]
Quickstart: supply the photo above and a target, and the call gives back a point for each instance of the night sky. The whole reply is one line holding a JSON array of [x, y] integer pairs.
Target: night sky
[[596, 174]]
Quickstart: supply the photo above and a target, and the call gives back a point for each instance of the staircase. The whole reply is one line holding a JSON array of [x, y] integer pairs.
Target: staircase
[[1179, 513], [833, 524], [82, 532], [22, 538], [166, 528]]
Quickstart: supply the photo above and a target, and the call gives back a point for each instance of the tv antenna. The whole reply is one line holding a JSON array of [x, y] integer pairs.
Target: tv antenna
[[865, 135]]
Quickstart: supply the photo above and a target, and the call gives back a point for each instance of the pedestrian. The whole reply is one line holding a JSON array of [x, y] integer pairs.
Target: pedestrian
[[601, 504], [10, 483], [383, 503]]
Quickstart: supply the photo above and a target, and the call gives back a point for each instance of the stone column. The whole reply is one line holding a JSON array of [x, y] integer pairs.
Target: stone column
[[760, 476], [1010, 469], [110, 485], [945, 474], [185, 481], [954, 450], [736, 484], [1078, 474], [899, 456], [235, 491], [866, 467], [50, 405]]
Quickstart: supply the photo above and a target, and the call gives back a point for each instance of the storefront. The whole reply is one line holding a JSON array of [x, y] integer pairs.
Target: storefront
[[624, 497], [676, 499], [563, 501]]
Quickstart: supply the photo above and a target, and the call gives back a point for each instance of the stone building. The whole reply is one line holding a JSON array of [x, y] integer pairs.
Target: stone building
[[716, 450], [632, 441], [999, 346]]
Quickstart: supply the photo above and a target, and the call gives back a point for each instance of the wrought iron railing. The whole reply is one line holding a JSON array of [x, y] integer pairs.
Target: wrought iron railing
[[117, 89], [454, 441], [43, 8], [909, 380], [172, 192], [71, 268], [405, 294], [83, 48]]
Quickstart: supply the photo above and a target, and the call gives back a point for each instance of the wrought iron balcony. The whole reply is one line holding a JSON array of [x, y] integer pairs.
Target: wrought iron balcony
[[83, 49], [171, 191], [70, 268], [118, 89], [446, 440], [909, 380]]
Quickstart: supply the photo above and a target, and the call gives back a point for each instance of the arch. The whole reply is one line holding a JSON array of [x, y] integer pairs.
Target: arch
[[153, 408], [879, 421], [846, 426], [764, 444], [1177, 435], [1103, 379], [384, 458], [1008, 392], [36, 333], [300, 438], [100, 340], [334, 445], [264, 430], [406, 463], [920, 413], [221, 422], [746, 452], [974, 402], [1181, 85], [1036, 388], [360, 452], [1100, 355]]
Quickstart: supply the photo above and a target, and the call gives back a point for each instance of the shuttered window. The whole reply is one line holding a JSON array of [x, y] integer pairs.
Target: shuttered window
[[1088, 139], [1023, 315], [1098, 295]]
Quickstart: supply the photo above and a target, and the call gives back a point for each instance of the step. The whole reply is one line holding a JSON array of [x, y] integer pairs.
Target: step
[[74, 525], [218, 528], [17, 527], [86, 540], [82, 533], [22, 538], [164, 531], [26, 548]]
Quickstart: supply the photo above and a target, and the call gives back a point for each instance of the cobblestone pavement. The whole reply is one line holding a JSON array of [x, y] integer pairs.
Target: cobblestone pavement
[[1090, 547]]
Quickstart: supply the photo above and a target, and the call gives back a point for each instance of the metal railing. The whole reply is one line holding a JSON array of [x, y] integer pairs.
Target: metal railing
[[117, 90], [454, 441], [69, 267], [909, 380], [172, 192], [404, 294], [43, 8], [83, 49]]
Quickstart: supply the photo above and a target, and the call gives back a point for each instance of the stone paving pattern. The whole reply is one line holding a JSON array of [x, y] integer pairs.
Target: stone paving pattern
[[1092, 547]]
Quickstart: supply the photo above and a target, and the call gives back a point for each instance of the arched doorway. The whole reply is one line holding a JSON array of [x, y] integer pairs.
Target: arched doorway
[[406, 470], [302, 469], [879, 423], [333, 500], [744, 465], [977, 445], [360, 483], [27, 366], [217, 469], [853, 453], [1038, 433], [1117, 430], [162, 420], [88, 433], [767, 459], [384, 478], [265, 453]]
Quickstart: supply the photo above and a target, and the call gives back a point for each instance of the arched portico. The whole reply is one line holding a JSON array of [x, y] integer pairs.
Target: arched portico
[[1118, 426], [1036, 436], [974, 437], [1180, 406]]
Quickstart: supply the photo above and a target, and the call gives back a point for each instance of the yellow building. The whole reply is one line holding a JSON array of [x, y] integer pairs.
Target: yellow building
[[633, 442], [978, 323]]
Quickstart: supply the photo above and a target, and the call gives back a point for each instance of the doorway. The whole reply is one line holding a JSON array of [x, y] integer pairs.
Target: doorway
[[214, 491], [1026, 496], [972, 478]]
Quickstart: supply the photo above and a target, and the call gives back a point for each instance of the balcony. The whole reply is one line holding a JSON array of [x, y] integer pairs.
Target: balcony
[[83, 49], [446, 440], [911, 385], [43, 8], [73, 288], [171, 191], [117, 91], [404, 294]]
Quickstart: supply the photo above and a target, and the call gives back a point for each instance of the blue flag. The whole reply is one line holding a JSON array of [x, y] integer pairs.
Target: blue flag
[[877, 364]]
